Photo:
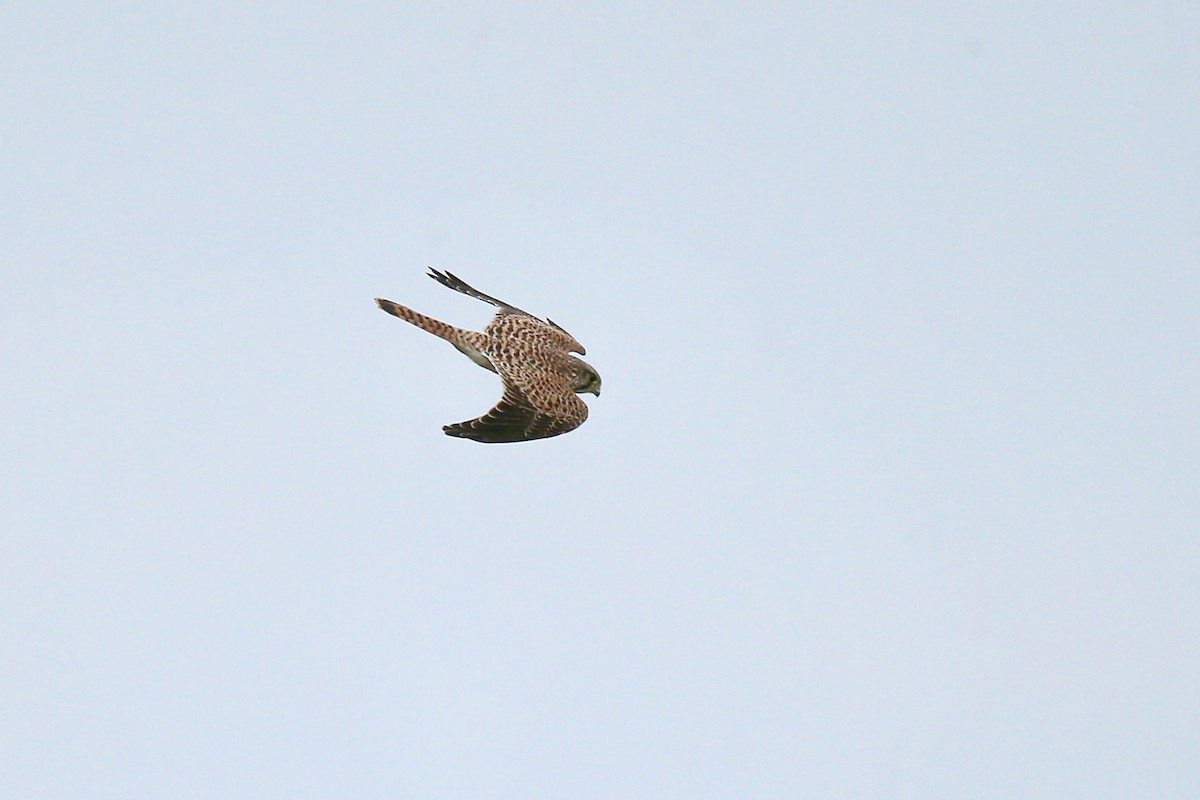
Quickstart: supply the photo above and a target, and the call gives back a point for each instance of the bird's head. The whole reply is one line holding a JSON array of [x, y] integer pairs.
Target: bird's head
[[583, 378]]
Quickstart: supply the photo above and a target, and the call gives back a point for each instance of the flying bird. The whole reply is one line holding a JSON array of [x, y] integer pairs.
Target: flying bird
[[533, 358]]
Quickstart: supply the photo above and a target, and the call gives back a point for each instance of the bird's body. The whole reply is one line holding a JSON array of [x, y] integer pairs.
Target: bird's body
[[534, 361]]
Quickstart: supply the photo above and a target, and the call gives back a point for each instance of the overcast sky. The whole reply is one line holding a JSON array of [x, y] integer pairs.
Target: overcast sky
[[893, 490]]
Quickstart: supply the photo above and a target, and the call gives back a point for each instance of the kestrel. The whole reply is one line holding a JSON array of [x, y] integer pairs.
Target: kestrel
[[533, 359]]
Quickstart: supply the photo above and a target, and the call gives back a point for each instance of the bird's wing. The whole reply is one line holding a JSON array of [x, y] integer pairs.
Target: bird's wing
[[547, 408], [552, 331], [451, 281]]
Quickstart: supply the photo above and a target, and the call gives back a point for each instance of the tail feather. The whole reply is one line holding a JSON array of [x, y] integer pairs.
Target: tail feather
[[469, 343], [436, 327]]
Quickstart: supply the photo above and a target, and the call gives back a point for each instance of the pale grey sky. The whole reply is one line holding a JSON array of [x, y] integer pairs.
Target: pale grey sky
[[892, 490]]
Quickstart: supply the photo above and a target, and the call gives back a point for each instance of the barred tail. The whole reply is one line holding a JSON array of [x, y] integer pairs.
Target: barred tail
[[437, 328], [470, 343]]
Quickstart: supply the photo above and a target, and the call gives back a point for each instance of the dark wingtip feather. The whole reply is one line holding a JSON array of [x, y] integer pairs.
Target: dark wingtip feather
[[481, 434]]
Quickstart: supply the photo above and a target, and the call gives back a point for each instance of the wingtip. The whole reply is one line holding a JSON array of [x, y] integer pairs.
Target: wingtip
[[461, 431]]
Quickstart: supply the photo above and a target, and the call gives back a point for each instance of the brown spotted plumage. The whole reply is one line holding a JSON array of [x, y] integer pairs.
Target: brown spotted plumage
[[533, 358]]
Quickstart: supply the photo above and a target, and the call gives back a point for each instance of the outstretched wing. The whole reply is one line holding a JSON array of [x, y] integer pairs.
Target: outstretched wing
[[555, 332], [451, 281], [516, 419]]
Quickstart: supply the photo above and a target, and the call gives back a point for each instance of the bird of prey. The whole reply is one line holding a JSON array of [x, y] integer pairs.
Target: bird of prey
[[533, 359]]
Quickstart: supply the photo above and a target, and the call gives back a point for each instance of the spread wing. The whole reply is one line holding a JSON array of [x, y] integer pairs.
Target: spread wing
[[551, 330], [516, 418], [452, 281]]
